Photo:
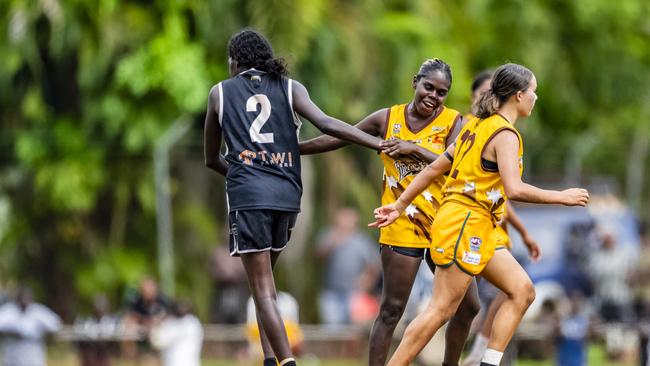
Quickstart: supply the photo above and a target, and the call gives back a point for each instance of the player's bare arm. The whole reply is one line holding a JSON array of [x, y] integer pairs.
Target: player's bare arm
[[504, 147], [212, 135], [305, 107], [373, 125]]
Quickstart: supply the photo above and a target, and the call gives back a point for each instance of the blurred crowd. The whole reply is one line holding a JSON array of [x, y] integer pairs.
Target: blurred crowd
[[604, 297]]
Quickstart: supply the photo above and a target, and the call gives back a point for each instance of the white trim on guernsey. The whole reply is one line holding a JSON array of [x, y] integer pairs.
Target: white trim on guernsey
[[220, 104], [296, 119]]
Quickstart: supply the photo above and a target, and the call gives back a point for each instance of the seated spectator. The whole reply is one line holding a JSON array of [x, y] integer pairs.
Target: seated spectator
[[23, 326]]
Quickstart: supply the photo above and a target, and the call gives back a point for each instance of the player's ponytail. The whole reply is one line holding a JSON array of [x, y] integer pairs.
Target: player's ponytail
[[275, 67], [507, 80], [250, 49], [487, 104]]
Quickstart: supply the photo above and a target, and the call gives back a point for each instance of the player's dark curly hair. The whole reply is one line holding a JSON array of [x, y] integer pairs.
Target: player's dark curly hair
[[252, 50], [435, 64], [480, 78], [507, 80]]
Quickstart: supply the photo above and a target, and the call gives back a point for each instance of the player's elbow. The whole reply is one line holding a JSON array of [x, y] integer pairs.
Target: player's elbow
[[514, 193], [210, 163], [213, 164]]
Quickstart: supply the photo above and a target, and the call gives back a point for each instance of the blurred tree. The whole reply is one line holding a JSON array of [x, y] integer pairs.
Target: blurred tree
[[86, 88]]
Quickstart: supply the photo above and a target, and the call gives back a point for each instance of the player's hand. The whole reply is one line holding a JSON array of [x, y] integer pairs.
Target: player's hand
[[534, 251], [396, 147], [575, 197], [386, 215]]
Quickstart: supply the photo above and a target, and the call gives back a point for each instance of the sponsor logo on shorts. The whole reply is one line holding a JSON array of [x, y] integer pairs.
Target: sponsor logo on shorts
[[475, 243], [472, 258]]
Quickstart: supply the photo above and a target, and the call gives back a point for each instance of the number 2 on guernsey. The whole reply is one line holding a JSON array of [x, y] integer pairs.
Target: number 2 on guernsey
[[260, 120]]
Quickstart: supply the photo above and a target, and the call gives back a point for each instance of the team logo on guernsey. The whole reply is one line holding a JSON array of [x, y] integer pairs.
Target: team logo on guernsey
[[397, 128], [247, 157], [437, 128], [475, 243], [406, 168]]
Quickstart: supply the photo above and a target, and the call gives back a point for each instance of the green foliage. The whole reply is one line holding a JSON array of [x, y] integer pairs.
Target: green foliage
[[88, 87]]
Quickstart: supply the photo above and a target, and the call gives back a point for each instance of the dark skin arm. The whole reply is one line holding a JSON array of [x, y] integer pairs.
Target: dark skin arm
[[305, 107], [212, 135], [374, 125]]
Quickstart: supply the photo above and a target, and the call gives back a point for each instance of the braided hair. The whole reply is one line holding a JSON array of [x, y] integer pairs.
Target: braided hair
[[435, 64]]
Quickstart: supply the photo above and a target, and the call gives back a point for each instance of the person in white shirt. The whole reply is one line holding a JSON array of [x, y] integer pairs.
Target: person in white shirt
[[23, 327], [179, 337]]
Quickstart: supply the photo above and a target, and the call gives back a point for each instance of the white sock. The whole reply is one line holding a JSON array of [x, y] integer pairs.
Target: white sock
[[492, 357], [479, 346]]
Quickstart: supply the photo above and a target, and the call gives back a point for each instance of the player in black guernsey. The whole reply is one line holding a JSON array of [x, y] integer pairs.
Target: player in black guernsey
[[255, 114]]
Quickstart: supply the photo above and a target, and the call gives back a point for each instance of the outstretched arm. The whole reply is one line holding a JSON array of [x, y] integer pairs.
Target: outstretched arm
[[386, 215], [374, 125], [506, 145], [212, 135], [303, 104]]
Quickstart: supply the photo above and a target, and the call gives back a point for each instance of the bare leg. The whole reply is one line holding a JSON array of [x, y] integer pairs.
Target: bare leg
[[482, 338], [399, 274], [260, 279], [505, 273], [450, 285], [459, 325], [267, 350]]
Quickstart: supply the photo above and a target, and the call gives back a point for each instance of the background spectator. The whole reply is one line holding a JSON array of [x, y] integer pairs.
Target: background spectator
[[94, 349], [230, 288], [572, 333], [179, 337], [351, 264], [290, 311], [24, 325], [610, 270], [147, 308]]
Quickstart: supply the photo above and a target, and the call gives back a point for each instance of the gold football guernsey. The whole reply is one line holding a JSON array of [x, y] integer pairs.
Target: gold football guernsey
[[474, 181], [413, 228], [474, 200]]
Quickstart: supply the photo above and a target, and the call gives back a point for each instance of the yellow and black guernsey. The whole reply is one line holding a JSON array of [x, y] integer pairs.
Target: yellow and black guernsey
[[413, 229], [474, 200], [501, 236], [475, 181]]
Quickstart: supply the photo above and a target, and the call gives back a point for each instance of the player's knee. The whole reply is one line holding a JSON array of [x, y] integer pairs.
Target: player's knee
[[525, 294], [530, 293], [391, 312]]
